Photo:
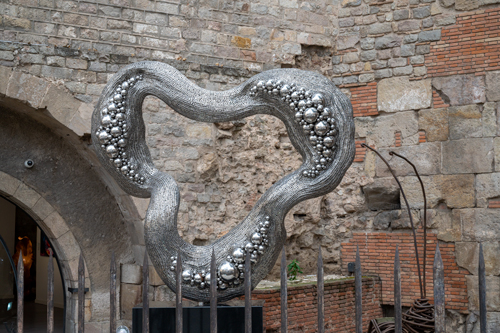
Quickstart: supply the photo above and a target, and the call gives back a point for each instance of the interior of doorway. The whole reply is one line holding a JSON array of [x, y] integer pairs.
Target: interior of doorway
[[21, 232]]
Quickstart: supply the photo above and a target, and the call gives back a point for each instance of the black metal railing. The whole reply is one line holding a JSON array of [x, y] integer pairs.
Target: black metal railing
[[438, 277]]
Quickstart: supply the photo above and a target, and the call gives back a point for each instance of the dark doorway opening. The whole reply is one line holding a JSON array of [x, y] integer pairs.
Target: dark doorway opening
[[20, 232]]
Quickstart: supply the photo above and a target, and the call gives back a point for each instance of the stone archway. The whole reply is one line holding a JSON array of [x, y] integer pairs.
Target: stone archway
[[72, 198], [54, 226]]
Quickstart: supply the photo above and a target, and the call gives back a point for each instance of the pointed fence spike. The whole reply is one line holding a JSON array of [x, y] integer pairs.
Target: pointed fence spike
[[20, 293], [248, 294], [284, 294], [81, 295], [321, 294], [439, 301], [213, 294], [398, 323], [358, 287], [145, 294], [482, 291], [112, 294], [178, 295], [50, 294]]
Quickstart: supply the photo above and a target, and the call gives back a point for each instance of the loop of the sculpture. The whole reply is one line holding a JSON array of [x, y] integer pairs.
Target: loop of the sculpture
[[319, 121]]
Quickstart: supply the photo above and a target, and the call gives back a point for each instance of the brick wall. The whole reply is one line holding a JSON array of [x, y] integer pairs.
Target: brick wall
[[339, 306], [377, 252], [471, 45]]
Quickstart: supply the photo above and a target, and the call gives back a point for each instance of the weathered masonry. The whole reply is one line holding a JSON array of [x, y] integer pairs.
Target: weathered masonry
[[423, 77]]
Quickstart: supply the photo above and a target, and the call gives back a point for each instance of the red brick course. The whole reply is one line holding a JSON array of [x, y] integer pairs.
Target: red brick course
[[339, 306], [469, 46], [377, 252], [360, 151], [364, 100]]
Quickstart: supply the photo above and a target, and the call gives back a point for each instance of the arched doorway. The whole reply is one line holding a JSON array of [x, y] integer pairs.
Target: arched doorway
[[20, 232]]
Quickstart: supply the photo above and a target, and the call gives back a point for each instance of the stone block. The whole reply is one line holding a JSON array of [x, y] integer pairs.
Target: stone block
[[447, 3], [368, 55], [493, 86], [8, 184], [480, 224], [27, 88], [456, 191], [380, 130], [399, 94], [42, 208], [383, 194], [5, 73], [465, 122], [421, 12], [367, 43], [379, 28], [164, 294], [466, 4], [403, 221], [383, 73], [154, 278], [387, 42], [26, 195], [435, 124], [426, 157], [131, 295], [467, 156], [56, 224], [409, 25], [445, 19], [61, 104], [489, 119], [492, 292], [351, 3], [449, 227], [461, 89], [407, 50], [350, 58], [487, 187], [420, 71], [199, 131], [347, 42], [429, 36], [496, 148], [401, 14], [406, 70], [131, 274], [383, 220], [467, 254], [69, 246]]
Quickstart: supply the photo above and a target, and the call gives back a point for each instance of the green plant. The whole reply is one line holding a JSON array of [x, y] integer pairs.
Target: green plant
[[293, 270]]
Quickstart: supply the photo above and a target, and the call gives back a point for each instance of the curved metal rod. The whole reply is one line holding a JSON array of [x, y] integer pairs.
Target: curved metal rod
[[425, 214], [409, 214]]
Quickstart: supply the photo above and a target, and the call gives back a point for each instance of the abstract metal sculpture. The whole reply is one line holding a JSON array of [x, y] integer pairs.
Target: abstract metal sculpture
[[320, 125]]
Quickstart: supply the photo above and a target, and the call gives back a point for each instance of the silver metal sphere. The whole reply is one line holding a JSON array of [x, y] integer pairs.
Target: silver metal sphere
[[321, 128], [116, 131], [111, 151], [228, 271], [317, 99], [329, 141], [197, 278], [122, 143], [207, 278], [186, 275], [256, 238], [310, 115], [106, 120], [118, 162], [239, 255]]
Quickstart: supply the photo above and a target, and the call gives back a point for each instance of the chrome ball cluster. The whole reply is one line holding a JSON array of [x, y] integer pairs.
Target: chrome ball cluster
[[113, 132], [310, 112], [230, 272]]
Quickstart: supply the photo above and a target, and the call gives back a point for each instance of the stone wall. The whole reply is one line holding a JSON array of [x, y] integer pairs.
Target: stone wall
[[422, 76]]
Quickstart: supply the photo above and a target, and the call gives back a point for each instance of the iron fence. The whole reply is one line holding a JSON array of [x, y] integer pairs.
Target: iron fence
[[438, 320]]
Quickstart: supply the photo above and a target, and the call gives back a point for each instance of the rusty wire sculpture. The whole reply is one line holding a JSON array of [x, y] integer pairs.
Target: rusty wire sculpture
[[420, 317]]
